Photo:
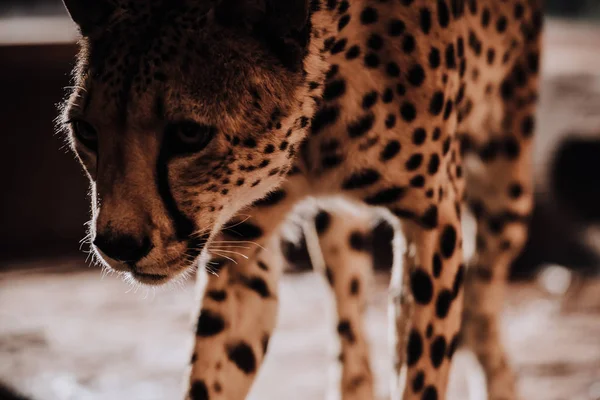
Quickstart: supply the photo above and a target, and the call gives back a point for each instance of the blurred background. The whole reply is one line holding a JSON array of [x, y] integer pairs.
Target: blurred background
[[67, 333]]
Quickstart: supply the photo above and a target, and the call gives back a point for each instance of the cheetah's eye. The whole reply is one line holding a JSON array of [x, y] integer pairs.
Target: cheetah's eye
[[85, 133], [186, 137]]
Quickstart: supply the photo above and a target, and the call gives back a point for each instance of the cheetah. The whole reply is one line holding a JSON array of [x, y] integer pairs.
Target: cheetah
[[201, 124]]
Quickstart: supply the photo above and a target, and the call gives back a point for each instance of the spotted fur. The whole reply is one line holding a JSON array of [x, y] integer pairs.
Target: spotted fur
[[202, 123]]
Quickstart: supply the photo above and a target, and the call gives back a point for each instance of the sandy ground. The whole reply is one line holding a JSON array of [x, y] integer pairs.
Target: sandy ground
[[73, 335]]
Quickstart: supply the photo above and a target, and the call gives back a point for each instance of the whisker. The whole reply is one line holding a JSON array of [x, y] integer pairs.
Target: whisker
[[229, 258], [237, 223], [231, 252], [229, 247]]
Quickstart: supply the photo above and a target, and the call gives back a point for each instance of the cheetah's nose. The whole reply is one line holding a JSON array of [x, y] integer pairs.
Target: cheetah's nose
[[124, 248]]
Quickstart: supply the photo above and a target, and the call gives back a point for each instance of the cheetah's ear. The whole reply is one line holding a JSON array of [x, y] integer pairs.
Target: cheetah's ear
[[281, 17], [89, 15], [283, 25]]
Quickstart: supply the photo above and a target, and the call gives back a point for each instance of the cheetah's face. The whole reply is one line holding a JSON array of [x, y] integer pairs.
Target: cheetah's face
[[182, 113]]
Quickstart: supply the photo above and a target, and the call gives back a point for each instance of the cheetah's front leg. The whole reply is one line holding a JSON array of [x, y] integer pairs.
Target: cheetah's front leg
[[239, 307], [237, 316]]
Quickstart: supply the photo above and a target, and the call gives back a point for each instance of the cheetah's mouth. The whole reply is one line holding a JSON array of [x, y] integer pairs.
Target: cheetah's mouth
[[149, 279]]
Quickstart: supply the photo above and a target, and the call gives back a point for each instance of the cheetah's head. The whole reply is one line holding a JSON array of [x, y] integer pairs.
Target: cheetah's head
[[182, 113]]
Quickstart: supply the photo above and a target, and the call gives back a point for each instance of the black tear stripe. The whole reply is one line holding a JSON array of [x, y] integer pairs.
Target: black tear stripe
[[183, 225]]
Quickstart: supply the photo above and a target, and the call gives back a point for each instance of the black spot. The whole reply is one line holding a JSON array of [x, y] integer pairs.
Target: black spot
[[390, 150], [448, 110], [443, 13], [339, 46], [429, 331], [437, 351], [430, 393], [258, 285], [390, 121], [419, 136], [358, 241], [409, 44], [345, 330], [501, 24], [507, 90], [417, 181], [361, 179], [408, 112], [331, 161], [392, 69], [375, 42], [242, 356], [437, 103], [198, 391], [414, 348], [385, 196], [353, 52], [334, 89], [323, 117], [421, 286], [429, 220], [450, 57], [209, 323], [425, 20], [396, 27], [371, 60], [443, 302], [344, 19], [388, 96], [448, 241], [512, 148], [246, 230], [491, 55], [515, 190], [344, 6], [435, 58], [519, 11], [489, 151], [361, 126], [437, 265], [271, 199], [354, 286], [217, 295], [322, 221], [414, 162], [418, 382], [332, 71], [369, 100], [454, 343], [528, 126], [416, 75], [262, 265], [400, 89], [434, 164], [368, 16]]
